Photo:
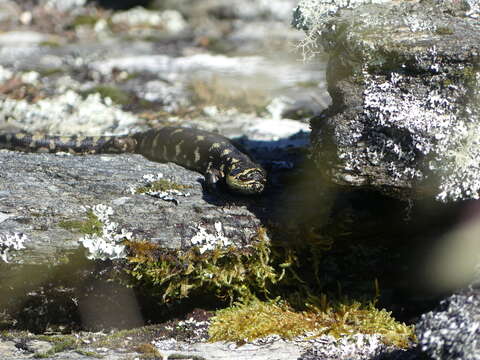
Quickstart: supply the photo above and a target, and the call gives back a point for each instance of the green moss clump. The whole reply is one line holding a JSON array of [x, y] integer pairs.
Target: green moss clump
[[257, 319], [60, 343], [85, 20], [148, 351], [115, 94], [443, 30], [89, 353], [228, 273], [91, 226], [50, 72], [50, 44], [161, 185]]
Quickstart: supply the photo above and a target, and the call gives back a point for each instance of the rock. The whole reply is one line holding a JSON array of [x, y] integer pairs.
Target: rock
[[66, 217], [168, 20], [402, 76], [23, 38], [64, 5], [65, 186], [9, 10], [67, 114], [453, 329]]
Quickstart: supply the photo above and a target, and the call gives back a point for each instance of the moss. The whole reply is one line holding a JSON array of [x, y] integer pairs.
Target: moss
[[50, 44], [91, 226], [89, 353], [60, 343], [161, 185], [185, 357], [50, 72], [117, 95], [228, 273], [444, 30], [148, 351], [85, 20], [307, 84], [257, 319]]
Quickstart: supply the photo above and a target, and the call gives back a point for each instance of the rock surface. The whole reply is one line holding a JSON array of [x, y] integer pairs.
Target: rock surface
[[42, 191], [452, 331], [403, 77], [214, 65]]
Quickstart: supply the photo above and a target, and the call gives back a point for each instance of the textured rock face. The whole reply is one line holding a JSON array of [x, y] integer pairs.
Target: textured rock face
[[40, 192], [403, 77], [453, 330]]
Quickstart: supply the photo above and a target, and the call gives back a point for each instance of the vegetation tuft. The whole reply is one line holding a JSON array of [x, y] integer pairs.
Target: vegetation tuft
[[161, 185], [228, 273], [117, 95], [257, 319], [90, 226]]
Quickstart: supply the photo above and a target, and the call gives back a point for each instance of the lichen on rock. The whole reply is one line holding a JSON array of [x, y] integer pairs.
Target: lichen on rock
[[11, 241], [404, 84], [108, 244]]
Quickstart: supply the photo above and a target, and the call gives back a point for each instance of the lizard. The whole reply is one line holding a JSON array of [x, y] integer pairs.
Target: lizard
[[211, 154]]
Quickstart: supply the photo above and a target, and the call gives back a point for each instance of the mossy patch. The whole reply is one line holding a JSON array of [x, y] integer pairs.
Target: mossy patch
[[148, 351], [117, 95], [228, 273], [52, 44], [257, 319], [60, 343], [161, 185], [50, 72], [89, 353], [90, 226], [444, 30], [85, 20]]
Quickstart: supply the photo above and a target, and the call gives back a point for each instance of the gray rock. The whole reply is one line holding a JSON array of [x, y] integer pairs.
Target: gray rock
[[453, 330], [402, 76], [23, 38], [39, 191]]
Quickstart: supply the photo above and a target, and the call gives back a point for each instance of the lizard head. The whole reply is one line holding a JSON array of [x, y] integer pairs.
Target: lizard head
[[246, 180]]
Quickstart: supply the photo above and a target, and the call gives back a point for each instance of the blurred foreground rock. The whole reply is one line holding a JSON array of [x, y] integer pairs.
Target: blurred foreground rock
[[452, 331]]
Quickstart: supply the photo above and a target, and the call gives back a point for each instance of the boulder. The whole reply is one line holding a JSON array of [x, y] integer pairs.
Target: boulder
[[403, 77]]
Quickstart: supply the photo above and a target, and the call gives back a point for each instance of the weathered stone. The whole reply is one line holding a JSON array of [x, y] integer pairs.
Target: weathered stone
[[39, 192], [452, 331], [403, 77]]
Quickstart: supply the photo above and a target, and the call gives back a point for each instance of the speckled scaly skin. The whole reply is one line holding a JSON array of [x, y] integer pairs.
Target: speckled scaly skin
[[211, 154]]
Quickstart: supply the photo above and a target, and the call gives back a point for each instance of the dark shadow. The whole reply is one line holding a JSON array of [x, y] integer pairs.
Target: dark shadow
[[121, 4]]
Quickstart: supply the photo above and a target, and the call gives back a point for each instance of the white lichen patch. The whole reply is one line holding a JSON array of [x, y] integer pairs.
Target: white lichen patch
[[415, 134], [169, 20], [30, 77], [311, 15], [107, 245], [11, 241], [68, 114], [64, 5], [5, 74], [357, 346], [165, 195], [206, 241]]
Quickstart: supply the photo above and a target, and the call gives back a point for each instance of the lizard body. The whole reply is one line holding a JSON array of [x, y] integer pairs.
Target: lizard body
[[211, 154]]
